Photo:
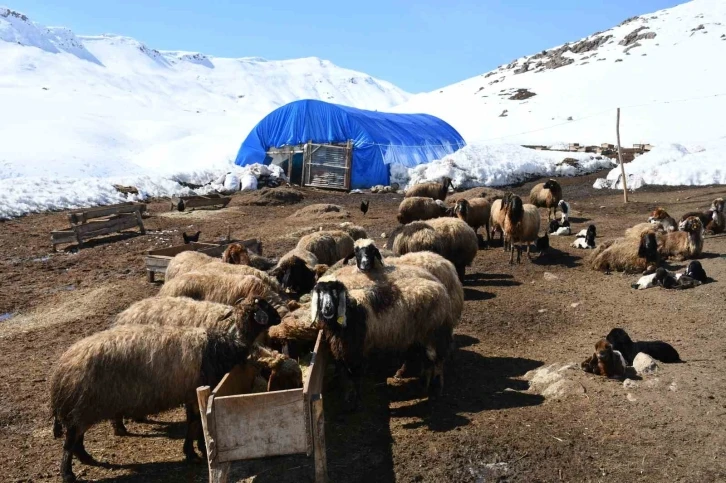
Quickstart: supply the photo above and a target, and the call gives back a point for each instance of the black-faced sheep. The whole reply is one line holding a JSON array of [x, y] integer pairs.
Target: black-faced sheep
[[388, 316], [605, 361], [661, 218], [475, 212], [521, 225], [419, 208], [137, 370], [451, 238], [585, 238], [668, 280], [627, 254], [496, 219], [327, 246], [564, 207], [298, 270], [684, 244], [659, 350], [557, 228], [695, 271], [187, 312], [546, 195], [437, 191]]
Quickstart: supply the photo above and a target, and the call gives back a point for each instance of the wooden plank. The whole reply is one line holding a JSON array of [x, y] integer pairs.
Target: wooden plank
[[237, 381], [199, 202], [98, 228], [58, 237], [175, 250], [260, 425], [218, 471], [81, 216], [318, 429], [314, 382]]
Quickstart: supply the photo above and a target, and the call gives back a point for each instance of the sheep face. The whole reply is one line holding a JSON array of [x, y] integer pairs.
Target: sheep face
[[554, 226], [515, 209], [550, 184], [692, 225], [236, 254], [696, 271], [590, 235], [648, 248], [718, 205], [296, 276], [657, 215], [366, 256], [328, 303], [446, 183], [620, 339], [461, 209], [265, 314]]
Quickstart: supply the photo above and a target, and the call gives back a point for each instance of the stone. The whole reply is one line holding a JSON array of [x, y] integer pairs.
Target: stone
[[644, 364], [672, 386], [563, 388], [629, 384], [550, 277], [631, 398]]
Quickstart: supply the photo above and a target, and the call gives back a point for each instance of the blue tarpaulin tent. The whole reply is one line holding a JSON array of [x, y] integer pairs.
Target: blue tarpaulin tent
[[379, 138]]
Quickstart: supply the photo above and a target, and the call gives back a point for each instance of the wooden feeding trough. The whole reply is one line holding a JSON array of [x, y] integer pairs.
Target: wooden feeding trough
[[157, 260], [182, 203], [242, 426], [104, 221]]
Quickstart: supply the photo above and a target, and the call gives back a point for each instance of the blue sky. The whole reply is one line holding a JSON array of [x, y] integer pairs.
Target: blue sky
[[420, 46]]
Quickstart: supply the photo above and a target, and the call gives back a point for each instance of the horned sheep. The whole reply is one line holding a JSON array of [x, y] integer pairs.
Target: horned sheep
[[137, 370]]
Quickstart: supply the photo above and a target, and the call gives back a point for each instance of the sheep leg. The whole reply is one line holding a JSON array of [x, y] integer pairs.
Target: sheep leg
[[66, 468], [528, 255], [79, 451], [519, 254], [461, 272], [511, 256], [189, 453], [118, 426], [489, 239]]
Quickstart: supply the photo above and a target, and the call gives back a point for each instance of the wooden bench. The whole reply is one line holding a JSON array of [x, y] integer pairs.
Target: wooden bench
[[157, 260], [242, 426], [104, 220], [181, 203]]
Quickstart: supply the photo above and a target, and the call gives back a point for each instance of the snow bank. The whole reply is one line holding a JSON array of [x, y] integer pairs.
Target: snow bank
[[673, 165], [499, 165], [22, 195]]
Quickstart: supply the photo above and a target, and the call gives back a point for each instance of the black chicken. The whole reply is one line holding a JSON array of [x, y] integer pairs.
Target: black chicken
[[190, 238], [364, 206]]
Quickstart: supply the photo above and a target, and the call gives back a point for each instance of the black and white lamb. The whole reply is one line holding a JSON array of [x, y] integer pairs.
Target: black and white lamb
[[585, 238]]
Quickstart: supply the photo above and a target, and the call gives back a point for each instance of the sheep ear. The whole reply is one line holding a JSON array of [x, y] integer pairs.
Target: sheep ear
[[342, 303], [379, 257], [261, 317], [240, 300], [314, 302], [348, 258]]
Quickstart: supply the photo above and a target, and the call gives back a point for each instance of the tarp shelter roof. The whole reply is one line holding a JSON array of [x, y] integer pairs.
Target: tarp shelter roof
[[379, 138]]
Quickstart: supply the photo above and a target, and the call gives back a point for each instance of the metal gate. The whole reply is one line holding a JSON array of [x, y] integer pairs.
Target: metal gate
[[327, 165]]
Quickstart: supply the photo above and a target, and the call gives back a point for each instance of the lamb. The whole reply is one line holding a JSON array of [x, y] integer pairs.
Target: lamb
[[718, 221], [684, 244], [137, 370], [221, 288], [521, 225], [417, 208], [437, 191], [696, 271], [693, 276], [669, 280], [187, 312], [546, 195], [564, 207], [298, 270], [661, 218], [557, 228], [451, 238], [496, 219], [327, 246], [659, 350], [236, 254], [626, 254], [475, 212], [585, 238], [398, 316], [605, 361]]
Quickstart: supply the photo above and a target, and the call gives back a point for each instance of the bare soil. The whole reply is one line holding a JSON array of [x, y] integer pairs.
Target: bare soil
[[484, 428]]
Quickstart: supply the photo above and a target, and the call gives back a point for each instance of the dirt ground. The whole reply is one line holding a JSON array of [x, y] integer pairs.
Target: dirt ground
[[484, 428]]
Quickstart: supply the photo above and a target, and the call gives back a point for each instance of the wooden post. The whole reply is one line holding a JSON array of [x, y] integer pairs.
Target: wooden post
[[218, 472], [620, 158], [318, 430]]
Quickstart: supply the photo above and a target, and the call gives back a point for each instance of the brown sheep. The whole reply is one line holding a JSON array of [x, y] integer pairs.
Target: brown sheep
[[637, 231], [419, 208], [489, 194], [684, 244], [605, 361], [327, 246], [236, 254], [546, 195], [137, 370], [627, 254], [717, 224], [240, 270], [496, 217], [662, 219], [451, 238], [298, 270], [282, 373], [521, 225], [475, 212], [186, 262], [437, 191], [221, 288]]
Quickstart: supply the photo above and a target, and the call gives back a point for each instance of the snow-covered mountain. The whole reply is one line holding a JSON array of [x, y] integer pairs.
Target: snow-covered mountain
[[109, 105], [664, 69]]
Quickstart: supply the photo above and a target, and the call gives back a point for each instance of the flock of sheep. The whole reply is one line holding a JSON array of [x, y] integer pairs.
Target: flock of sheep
[[405, 298]]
